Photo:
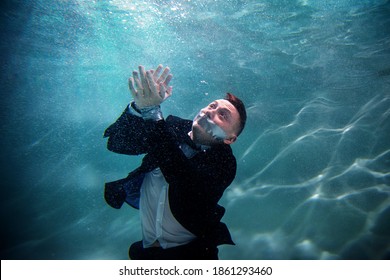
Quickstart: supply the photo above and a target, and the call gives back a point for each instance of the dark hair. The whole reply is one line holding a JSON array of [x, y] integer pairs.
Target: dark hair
[[239, 105]]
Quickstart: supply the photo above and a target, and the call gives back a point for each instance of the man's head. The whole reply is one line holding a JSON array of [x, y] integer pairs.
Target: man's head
[[221, 121]]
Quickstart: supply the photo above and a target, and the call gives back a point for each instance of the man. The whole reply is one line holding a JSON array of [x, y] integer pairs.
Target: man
[[187, 167]]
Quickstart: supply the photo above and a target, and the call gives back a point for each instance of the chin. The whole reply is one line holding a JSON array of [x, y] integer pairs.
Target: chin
[[199, 136]]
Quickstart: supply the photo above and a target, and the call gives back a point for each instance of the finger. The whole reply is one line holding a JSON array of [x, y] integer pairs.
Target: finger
[[132, 88], [162, 91], [163, 75], [169, 91], [144, 82], [157, 72], [168, 79], [152, 84], [165, 92], [137, 81]]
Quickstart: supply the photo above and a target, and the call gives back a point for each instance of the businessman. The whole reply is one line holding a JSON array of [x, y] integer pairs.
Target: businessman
[[187, 166]]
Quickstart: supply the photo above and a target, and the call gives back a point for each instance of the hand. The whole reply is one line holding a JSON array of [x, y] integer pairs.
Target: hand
[[151, 88]]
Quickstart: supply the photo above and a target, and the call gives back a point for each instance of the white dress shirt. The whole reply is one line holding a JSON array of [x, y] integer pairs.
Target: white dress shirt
[[159, 226]]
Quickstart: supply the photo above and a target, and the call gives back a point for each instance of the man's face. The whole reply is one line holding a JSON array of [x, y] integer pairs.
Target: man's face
[[224, 115]]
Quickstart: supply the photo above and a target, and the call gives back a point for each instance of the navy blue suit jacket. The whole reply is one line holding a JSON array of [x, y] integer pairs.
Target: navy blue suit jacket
[[195, 185]]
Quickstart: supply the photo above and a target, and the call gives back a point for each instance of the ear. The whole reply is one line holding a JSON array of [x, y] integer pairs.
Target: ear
[[230, 140]]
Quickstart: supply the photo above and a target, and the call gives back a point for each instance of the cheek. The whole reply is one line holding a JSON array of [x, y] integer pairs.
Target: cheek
[[234, 128], [230, 131]]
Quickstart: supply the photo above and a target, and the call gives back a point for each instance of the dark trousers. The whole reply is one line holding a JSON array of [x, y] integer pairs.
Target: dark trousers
[[195, 250]]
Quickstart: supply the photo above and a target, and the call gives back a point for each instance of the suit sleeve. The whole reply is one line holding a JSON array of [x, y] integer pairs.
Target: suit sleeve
[[128, 135]]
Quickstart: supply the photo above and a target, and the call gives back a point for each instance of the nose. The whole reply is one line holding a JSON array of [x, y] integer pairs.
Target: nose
[[208, 112]]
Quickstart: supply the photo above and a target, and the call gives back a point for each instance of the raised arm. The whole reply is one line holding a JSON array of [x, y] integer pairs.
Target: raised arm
[[130, 133]]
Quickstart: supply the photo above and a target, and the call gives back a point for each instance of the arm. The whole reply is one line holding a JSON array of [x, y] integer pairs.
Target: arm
[[126, 135], [129, 134]]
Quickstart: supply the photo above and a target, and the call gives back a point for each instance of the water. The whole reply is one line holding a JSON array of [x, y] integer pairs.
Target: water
[[314, 161]]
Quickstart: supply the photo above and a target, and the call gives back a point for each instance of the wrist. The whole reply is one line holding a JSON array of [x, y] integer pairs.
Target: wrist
[[148, 112], [135, 108]]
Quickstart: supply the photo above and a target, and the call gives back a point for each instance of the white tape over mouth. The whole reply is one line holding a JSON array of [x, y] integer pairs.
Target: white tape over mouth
[[210, 127]]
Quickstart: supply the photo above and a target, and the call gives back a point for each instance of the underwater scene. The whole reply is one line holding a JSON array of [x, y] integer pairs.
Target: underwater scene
[[313, 177]]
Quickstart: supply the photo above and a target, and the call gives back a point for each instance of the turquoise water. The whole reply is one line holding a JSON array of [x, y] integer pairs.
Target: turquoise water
[[313, 177]]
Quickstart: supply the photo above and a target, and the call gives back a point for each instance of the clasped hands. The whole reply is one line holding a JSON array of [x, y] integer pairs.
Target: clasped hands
[[151, 87]]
